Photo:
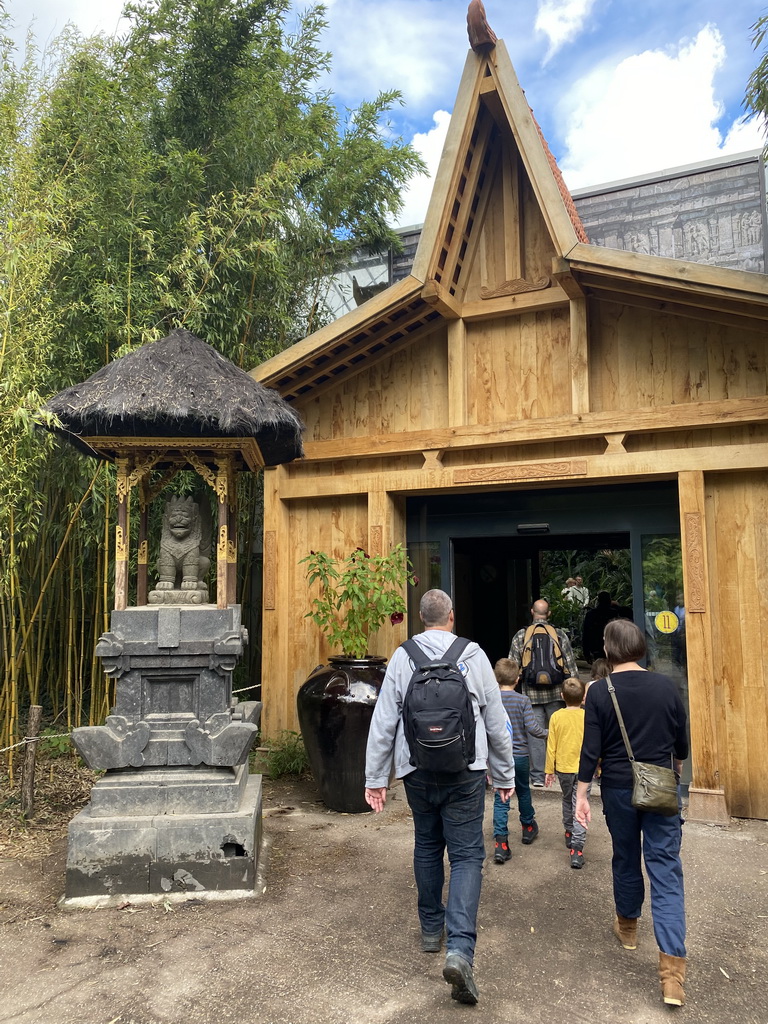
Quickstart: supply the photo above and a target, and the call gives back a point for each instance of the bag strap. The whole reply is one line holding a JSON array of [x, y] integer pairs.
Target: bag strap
[[420, 658], [612, 691]]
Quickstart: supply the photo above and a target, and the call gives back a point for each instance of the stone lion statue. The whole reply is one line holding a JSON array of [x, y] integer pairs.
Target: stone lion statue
[[185, 545]]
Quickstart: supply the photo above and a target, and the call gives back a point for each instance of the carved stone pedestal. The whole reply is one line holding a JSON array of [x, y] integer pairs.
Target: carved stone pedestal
[[176, 810]]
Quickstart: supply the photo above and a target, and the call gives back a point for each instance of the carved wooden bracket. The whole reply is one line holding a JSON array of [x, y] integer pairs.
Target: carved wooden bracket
[[614, 444], [516, 286], [433, 459]]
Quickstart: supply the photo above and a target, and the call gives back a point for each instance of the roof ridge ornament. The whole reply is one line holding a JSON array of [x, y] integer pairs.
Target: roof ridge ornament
[[482, 38]]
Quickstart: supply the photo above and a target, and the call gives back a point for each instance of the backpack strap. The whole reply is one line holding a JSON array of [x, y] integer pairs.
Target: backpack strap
[[551, 633], [420, 658]]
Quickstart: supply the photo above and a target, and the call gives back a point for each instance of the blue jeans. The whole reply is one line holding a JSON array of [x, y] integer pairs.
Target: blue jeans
[[524, 802], [657, 838], [537, 748], [448, 814]]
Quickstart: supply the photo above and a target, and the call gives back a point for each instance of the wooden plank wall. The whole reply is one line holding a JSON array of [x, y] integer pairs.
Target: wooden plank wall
[[641, 357], [293, 644], [738, 559], [404, 391], [519, 368]]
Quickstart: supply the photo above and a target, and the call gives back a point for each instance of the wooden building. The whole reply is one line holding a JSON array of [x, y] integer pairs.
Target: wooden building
[[520, 389]]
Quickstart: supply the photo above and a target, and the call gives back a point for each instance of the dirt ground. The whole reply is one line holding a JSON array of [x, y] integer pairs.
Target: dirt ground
[[333, 938]]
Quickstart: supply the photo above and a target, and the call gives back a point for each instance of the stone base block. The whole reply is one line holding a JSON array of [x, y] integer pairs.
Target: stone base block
[[169, 791], [165, 853]]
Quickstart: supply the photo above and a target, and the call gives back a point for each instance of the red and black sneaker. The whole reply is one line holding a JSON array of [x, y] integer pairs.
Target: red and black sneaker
[[568, 837], [501, 851], [577, 858], [530, 832]]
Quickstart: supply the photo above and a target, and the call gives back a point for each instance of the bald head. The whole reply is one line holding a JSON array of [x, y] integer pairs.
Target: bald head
[[540, 609]]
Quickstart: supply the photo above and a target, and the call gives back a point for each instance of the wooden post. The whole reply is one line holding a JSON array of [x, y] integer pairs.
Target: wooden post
[[706, 798], [142, 586], [232, 539], [30, 755], [222, 542], [122, 535]]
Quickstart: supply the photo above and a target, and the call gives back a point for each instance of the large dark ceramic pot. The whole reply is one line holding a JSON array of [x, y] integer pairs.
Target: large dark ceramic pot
[[335, 706]]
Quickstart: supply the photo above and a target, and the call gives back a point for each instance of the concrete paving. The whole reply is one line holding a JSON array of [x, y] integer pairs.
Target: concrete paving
[[333, 936]]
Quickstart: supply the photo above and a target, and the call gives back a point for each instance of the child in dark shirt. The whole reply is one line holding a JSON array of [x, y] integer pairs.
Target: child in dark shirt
[[521, 724]]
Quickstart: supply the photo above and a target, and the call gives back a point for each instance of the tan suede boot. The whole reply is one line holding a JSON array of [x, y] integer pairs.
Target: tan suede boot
[[625, 930], [672, 976]]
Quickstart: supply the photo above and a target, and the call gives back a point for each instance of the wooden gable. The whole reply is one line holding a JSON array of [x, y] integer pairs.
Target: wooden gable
[[517, 356]]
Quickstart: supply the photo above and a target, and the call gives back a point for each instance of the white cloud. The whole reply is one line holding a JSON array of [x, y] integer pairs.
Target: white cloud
[[651, 111], [430, 146], [561, 21]]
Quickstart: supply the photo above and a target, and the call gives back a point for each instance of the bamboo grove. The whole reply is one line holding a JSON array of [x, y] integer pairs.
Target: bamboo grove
[[190, 173]]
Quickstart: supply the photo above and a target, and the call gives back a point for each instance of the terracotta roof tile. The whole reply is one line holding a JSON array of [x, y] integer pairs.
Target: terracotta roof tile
[[567, 197]]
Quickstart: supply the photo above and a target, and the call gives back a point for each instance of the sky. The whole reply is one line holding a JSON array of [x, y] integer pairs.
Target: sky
[[620, 87]]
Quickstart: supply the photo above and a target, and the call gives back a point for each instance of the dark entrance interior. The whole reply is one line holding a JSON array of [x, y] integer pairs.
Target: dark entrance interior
[[495, 579]]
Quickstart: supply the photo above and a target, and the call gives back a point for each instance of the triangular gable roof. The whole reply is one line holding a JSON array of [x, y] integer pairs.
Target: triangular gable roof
[[491, 116]]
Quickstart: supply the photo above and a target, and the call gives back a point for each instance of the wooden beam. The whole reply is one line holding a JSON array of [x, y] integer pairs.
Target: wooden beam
[[122, 533], [437, 296], [694, 276], [347, 326], [562, 273], [694, 415], [513, 305], [590, 469]]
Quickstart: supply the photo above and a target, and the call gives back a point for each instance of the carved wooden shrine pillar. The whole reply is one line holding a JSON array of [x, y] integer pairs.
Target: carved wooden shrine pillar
[[226, 542], [122, 534]]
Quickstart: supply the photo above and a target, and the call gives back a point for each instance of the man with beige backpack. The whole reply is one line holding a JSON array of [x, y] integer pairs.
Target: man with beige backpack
[[546, 660]]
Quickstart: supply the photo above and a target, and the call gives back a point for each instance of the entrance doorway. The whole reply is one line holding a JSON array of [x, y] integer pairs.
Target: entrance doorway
[[496, 580]]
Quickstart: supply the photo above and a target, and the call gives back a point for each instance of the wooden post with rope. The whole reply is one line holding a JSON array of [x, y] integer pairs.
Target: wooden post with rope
[[30, 756]]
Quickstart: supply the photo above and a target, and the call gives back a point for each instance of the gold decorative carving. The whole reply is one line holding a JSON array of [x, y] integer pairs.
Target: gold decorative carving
[[143, 556], [123, 485], [270, 569], [221, 547], [121, 550], [523, 471], [515, 286], [231, 552], [376, 540], [142, 469], [202, 470], [695, 590]]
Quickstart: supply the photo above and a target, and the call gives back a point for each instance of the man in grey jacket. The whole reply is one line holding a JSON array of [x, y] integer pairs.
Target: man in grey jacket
[[447, 807]]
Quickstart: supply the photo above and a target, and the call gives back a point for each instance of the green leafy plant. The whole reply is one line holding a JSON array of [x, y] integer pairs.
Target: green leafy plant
[[357, 594], [285, 755]]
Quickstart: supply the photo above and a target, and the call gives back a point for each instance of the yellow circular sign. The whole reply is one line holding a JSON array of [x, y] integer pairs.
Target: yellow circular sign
[[666, 622]]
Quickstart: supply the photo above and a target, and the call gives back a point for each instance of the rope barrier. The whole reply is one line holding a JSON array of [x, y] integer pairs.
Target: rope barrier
[[36, 739]]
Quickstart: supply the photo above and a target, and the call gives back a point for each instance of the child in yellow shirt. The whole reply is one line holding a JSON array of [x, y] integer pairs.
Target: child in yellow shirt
[[566, 734]]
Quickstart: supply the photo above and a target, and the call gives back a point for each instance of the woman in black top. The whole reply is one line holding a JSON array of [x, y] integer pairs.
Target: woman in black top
[[655, 721]]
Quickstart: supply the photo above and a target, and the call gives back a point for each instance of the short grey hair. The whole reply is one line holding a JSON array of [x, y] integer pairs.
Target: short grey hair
[[435, 607]]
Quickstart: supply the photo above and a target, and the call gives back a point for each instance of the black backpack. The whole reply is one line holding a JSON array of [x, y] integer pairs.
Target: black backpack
[[438, 716], [543, 663]]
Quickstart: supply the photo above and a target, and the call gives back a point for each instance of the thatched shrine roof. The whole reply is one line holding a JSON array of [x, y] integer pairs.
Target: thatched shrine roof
[[178, 387]]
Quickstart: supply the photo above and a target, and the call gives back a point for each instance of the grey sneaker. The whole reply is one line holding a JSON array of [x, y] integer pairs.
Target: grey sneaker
[[458, 972], [431, 941]]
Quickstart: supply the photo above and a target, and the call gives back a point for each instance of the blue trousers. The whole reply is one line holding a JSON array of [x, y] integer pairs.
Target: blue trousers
[[524, 802], [448, 814], [656, 838]]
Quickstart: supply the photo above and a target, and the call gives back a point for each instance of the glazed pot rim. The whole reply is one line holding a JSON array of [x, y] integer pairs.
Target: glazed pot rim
[[367, 659]]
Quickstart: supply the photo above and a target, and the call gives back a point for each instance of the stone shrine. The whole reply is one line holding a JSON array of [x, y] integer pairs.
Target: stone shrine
[[176, 810]]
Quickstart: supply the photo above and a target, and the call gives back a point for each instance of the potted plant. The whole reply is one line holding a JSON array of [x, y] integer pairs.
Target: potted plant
[[357, 594]]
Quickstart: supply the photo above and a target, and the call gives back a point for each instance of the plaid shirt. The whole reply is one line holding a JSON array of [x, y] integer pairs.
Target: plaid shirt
[[544, 694]]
